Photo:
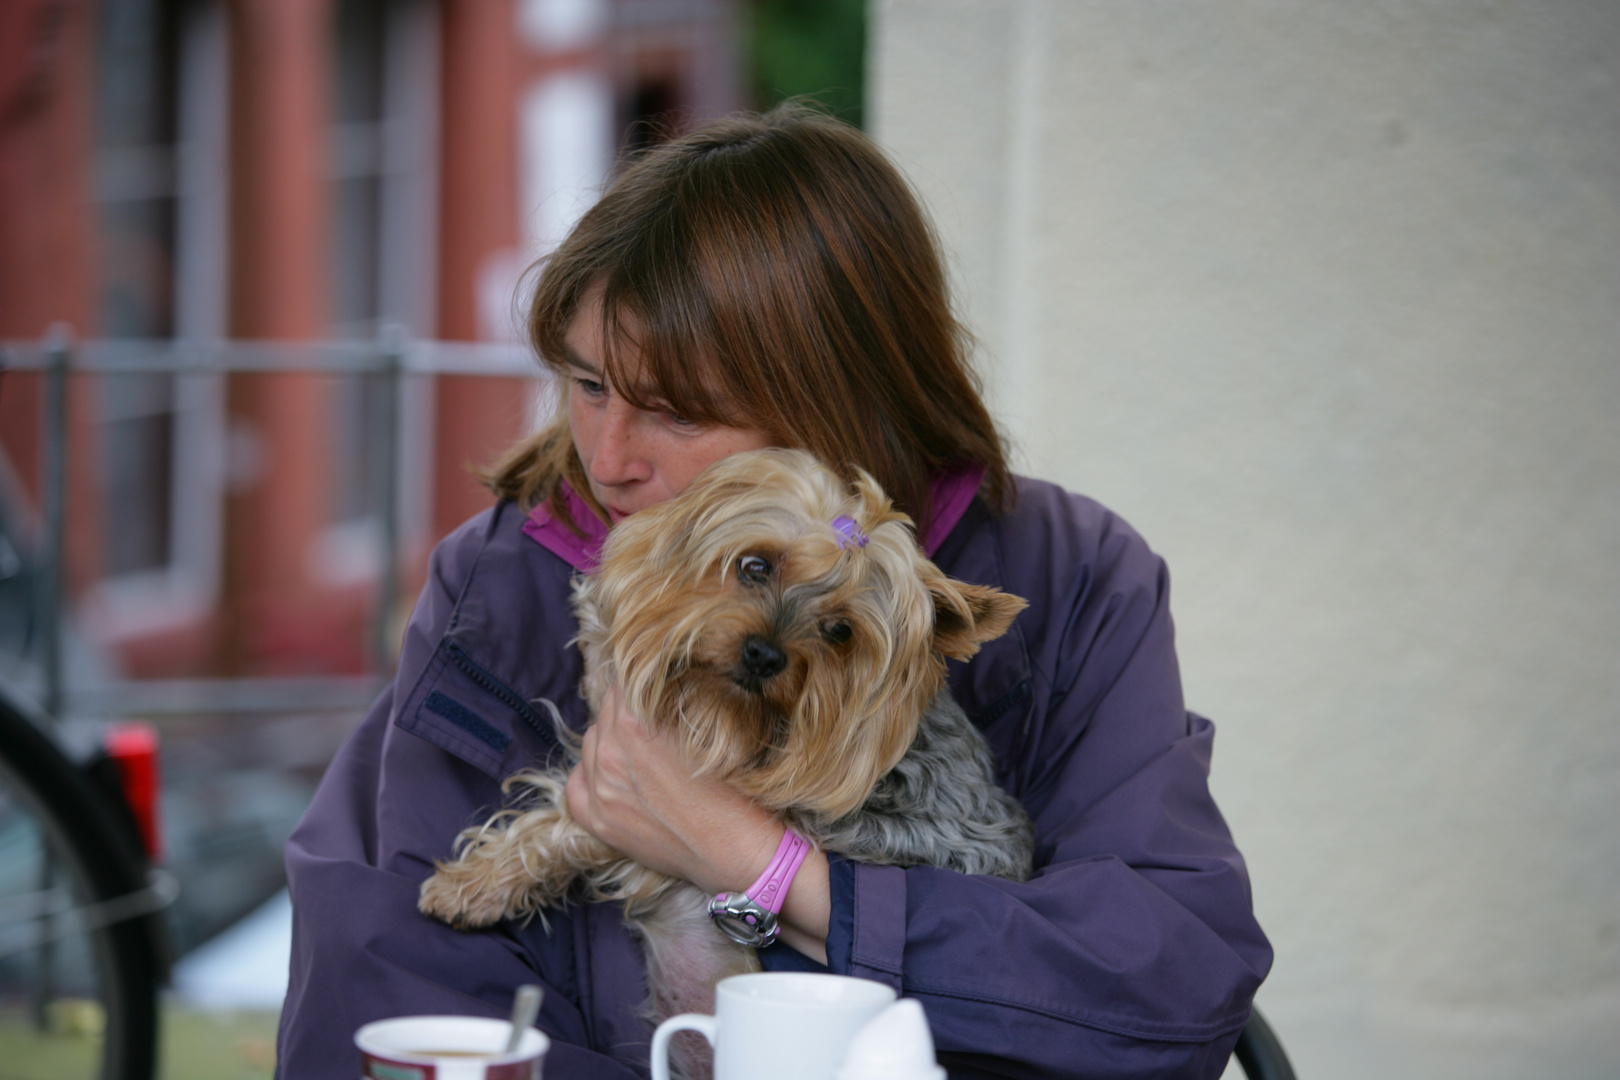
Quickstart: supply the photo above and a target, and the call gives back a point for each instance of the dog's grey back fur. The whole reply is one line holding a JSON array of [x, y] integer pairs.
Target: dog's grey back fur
[[941, 806]]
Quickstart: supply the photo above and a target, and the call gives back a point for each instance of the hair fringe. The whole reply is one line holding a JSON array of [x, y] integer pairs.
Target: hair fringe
[[784, 276]]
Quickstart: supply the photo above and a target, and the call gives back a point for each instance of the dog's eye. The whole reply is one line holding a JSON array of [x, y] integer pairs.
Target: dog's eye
[[753, 570], [836, 631]]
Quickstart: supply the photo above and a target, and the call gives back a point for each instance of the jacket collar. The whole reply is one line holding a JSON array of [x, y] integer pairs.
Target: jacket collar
[[953, 490]]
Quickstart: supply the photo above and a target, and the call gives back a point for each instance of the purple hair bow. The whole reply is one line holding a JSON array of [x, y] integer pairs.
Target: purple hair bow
[[849, 533]]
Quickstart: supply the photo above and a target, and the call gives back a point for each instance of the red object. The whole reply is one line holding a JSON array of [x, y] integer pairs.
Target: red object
[[134, 748]]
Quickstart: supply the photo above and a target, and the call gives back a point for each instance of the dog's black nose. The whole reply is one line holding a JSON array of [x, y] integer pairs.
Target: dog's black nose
[[761, 659]]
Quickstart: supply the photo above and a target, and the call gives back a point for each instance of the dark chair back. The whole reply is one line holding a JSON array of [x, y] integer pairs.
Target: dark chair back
[[1259, 1052]]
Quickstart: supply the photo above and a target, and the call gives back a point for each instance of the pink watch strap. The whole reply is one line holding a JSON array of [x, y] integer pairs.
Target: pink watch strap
[[772, 887]]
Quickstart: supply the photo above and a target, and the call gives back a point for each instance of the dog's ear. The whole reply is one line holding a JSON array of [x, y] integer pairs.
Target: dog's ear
[[966, 616]]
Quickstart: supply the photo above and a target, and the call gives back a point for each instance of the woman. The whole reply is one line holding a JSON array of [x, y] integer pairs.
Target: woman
[[772, 281]]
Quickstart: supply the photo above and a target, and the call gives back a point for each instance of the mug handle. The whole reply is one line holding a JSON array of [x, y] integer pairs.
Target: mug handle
[[707, 1026]]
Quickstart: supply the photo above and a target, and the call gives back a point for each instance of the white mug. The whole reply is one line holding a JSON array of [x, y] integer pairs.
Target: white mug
[[782, 1024], [447, 1048]]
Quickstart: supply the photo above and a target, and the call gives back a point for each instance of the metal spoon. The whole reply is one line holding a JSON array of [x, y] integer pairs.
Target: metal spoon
[[525, 1007]]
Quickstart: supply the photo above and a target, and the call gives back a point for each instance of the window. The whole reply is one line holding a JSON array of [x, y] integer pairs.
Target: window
[[160, 195], [384, 141]]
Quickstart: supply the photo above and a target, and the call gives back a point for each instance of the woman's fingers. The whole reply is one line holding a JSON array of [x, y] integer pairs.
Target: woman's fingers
[[577, 792], [635, 791]]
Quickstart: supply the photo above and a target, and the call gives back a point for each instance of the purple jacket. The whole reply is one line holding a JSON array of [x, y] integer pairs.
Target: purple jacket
[[1133, 951]]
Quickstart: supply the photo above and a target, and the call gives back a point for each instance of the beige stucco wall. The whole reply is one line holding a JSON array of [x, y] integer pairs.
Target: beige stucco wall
[[1325, 298]]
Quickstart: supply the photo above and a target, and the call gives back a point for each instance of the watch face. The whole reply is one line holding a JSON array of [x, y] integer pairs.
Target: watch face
[[742, 920]]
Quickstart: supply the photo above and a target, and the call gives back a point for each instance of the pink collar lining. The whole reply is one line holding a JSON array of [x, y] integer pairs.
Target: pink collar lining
[[577, 551], [952, 490]]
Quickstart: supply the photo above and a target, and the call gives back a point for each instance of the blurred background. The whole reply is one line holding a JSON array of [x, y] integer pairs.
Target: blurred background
[[1324, 298], [290, 190]]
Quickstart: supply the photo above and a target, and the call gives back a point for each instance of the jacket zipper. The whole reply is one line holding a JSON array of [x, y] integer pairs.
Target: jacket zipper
[[505, 693]]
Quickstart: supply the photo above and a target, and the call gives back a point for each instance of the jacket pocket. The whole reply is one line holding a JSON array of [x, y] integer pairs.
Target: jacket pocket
[[465, 709]]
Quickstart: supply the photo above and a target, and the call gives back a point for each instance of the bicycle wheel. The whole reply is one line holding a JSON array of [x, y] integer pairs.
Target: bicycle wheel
[[79, 956]]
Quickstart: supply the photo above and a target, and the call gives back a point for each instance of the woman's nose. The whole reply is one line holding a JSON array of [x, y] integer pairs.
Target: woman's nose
[[618, 458]]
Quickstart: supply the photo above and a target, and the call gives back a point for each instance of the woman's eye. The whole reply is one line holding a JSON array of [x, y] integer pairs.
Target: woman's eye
[[753, 570], [671, 417], [836, 631], [590, 387]]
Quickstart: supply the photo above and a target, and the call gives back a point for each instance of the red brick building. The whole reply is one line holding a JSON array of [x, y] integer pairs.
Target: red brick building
[[291, 170]]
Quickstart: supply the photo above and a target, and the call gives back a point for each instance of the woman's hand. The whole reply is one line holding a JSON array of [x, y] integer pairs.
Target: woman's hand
[[634, 790]]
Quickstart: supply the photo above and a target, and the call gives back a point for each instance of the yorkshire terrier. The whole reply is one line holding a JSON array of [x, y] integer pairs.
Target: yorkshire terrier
[[787, 629]]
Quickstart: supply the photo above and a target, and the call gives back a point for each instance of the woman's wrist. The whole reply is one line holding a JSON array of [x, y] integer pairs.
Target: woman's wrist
[[807, 911], [807, 907], [737, 851]]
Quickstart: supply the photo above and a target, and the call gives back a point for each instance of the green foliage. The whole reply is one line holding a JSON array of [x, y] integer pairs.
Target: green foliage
[[810, 48]]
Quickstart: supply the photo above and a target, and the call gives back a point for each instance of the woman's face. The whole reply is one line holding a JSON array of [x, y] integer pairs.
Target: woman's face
[[635, 458]]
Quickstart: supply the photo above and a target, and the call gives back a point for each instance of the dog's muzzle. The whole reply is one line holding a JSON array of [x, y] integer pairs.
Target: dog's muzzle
[[760, 660]]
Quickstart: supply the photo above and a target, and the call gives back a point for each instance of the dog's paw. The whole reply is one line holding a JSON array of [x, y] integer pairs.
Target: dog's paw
[[464, 898]]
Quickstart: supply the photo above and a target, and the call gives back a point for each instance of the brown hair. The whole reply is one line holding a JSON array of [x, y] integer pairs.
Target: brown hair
[[781, 275]]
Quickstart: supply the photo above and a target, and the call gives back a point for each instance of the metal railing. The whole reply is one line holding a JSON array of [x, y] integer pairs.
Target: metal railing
[[391, 356]]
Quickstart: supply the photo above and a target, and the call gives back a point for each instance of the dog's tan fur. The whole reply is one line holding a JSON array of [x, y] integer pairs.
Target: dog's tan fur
[[666, 617]]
